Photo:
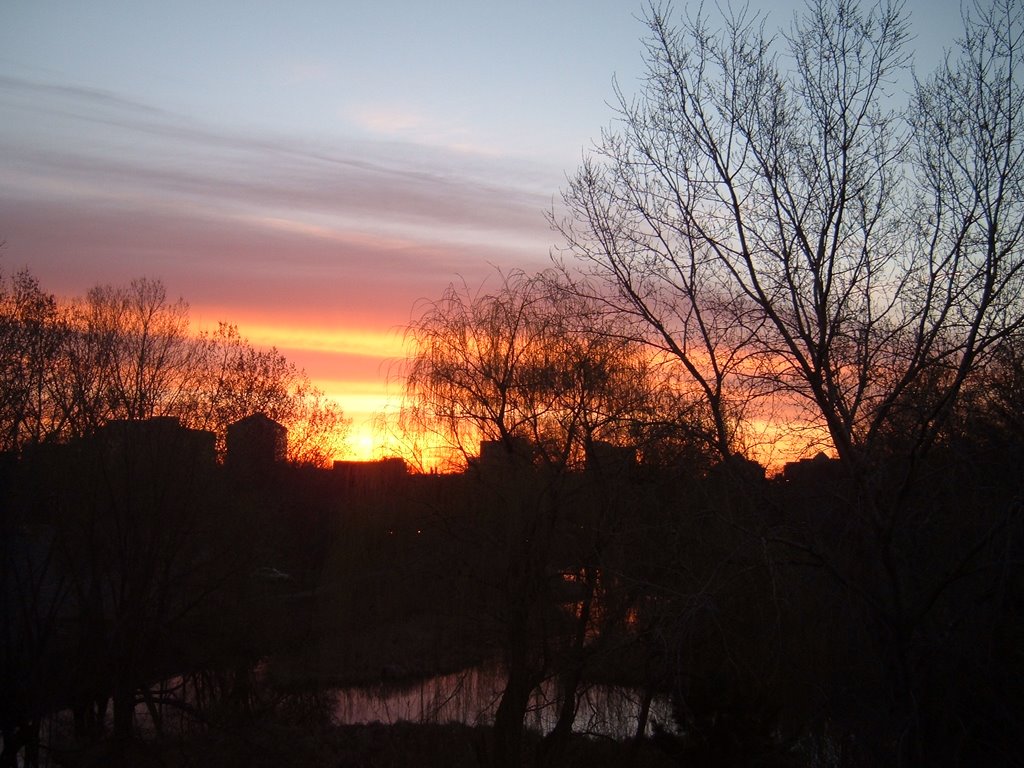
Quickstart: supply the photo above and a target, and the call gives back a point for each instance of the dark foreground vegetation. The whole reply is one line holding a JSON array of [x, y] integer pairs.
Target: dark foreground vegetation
[[162, 609], [764, 254]]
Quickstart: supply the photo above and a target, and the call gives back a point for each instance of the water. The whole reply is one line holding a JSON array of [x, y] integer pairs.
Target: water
[[471, 697]]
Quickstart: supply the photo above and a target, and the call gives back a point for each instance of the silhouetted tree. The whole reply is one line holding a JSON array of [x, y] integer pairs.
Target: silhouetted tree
[[28, 340], [119, 541], [128, 352], [791, 227], [532, 363], [544, 377], [234, 379], [818, 257]]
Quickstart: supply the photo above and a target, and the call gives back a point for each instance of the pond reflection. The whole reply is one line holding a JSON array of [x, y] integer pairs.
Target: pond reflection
[[471, 697]]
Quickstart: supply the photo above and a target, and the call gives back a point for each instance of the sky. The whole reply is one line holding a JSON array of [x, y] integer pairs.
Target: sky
[[311, 170]]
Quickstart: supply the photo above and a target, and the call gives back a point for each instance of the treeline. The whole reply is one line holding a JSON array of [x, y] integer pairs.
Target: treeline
[[137, 575], [128, 554], [839, 614], [69, 366]]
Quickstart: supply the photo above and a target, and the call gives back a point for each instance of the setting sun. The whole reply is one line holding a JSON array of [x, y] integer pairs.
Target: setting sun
[[332, 357]]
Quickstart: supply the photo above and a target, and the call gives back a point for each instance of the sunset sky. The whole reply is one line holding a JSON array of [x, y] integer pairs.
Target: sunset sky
[[309, 170]]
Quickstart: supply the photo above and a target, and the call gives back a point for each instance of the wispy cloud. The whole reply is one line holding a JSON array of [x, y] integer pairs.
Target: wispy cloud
[[321, 246], [448, 132], [40, 92], [389, 121], [178, 159]]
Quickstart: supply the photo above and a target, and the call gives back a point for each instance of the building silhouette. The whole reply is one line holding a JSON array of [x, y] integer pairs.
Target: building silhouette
[[256, 442], [158, 440]]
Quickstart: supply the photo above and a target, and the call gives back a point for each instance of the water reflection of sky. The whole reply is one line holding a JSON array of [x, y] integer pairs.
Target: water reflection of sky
[[471, 697]]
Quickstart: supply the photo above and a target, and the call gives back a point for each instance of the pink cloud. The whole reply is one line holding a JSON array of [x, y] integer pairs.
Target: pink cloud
[[319, 240]]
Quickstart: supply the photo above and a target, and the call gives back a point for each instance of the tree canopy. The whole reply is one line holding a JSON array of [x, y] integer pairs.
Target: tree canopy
[[778, 221], [129, 352]]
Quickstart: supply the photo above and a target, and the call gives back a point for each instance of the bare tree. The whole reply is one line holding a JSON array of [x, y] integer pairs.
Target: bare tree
[[783, 229], [826, 258], [534, 361], [233, 379], [544, 375], [28, 319], [125, 353], [130, 353]]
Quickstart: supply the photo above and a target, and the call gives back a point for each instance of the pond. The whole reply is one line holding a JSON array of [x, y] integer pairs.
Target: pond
[[471, 697], [468, 697]]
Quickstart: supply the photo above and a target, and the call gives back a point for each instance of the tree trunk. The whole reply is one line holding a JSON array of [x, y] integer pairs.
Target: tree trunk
[[508, 720], [641, 725], [552, 748], [124, 712]]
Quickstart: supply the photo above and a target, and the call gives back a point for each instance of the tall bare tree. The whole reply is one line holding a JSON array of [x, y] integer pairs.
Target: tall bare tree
[[529, 361], [828, 258], [785, 229], [544, 375]]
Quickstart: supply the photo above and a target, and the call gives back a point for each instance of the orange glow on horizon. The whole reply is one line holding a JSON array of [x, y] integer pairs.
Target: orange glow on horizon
[[350, 365], [356, 367], [348, 341], [774, 444], [365, 403]]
